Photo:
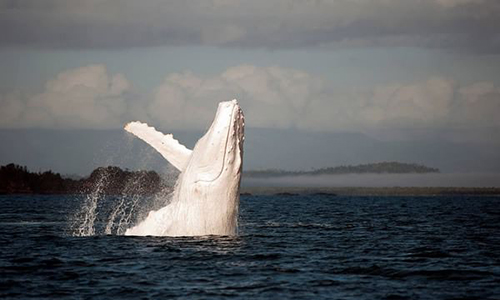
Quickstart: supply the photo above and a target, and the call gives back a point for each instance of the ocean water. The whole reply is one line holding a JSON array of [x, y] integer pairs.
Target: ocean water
[[300, 247]]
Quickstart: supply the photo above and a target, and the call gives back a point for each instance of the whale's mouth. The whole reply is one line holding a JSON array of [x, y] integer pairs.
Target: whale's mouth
[[221, 159]]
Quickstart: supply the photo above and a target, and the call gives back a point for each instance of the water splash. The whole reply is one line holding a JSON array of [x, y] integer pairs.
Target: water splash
[[113, 214], [103, 211], [83, 224]]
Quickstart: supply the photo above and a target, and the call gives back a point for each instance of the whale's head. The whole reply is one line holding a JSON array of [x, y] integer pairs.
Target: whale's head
[[212, 176], [217, 156]]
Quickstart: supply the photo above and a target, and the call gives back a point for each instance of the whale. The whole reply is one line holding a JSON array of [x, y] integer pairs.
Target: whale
[[205, 200]]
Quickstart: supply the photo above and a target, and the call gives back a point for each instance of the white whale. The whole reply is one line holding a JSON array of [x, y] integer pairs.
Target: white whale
[[206, 196]]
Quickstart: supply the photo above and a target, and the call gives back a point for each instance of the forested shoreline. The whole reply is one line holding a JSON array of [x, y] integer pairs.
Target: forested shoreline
[[16, 179]]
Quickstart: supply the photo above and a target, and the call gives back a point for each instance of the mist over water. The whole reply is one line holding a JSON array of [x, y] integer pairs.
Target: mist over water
[[477, 180]]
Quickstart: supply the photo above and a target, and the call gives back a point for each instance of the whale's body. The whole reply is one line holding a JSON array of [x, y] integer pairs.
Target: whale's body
[[206, 196]]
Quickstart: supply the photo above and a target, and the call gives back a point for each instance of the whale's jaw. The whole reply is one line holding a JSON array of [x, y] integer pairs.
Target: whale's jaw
[[206, 197], [219, 152], [213, 175]]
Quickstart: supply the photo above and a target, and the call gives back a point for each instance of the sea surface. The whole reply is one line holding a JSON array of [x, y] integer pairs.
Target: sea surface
[[288, 247]]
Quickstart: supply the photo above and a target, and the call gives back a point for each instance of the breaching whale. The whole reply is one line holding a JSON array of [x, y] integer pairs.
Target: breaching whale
[[206, 197]]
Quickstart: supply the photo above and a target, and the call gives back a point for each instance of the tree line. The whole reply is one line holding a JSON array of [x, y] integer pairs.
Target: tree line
[[16, 179]]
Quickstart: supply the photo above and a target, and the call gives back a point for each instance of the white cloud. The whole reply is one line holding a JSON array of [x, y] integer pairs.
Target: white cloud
[[86, 97], [283, 98], [474, 92], [478, 105], [11, 109], [272, 97], [426, 102], [454, 3]]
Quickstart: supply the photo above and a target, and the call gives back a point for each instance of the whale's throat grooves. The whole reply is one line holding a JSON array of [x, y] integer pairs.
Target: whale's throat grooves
[[225, 151]]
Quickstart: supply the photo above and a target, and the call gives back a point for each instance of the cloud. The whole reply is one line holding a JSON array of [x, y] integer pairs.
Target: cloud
[[478, 105], [426, 103], [454, 3], [271, 97], [274, 97], [469, 25], [86, 97], [11, 108]]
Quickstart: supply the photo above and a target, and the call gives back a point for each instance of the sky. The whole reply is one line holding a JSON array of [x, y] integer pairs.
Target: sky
[[415, 81]]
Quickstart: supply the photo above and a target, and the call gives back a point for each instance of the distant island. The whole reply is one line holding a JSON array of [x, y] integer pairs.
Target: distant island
[[374, 168]]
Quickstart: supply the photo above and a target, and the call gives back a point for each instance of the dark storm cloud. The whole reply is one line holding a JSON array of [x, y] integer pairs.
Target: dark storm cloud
[[470, 25]]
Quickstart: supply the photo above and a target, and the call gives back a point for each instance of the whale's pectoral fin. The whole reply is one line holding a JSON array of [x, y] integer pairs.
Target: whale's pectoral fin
[[178, 155]]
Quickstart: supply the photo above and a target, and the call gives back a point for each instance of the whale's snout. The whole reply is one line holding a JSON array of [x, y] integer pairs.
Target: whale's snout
[[230, 115]]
